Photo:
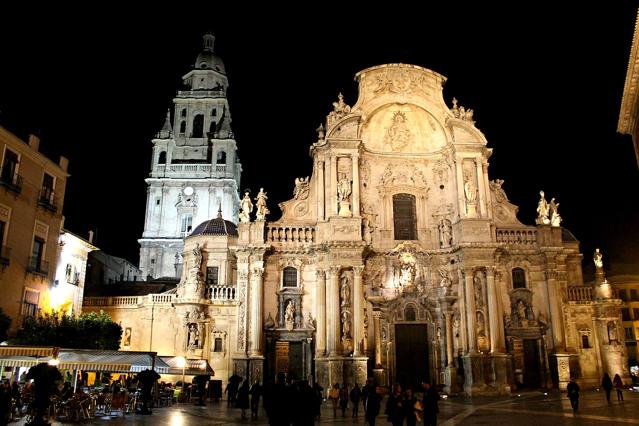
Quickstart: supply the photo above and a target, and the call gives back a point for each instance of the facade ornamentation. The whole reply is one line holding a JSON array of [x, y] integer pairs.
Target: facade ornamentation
[[445, 228], [500, 194], [344, 196], [461, 112], [555, 219], [340, 110], [440, 172], [598, 259], [246, 206], [612, 333], [262, 210], [398, 135], [289, 315], [478, 285], [542, 210], [301, 188]]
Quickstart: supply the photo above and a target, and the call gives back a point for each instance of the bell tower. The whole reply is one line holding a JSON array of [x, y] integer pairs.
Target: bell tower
[[194, 167]]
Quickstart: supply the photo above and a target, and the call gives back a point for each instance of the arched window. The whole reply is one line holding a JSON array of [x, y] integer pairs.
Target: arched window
[[183, 113], [409, 313], [290, 277], [213, 112], [221, 157], [182, 127], [198, 126], [519, 278], [404, 217], [162, 158], [212, 127]]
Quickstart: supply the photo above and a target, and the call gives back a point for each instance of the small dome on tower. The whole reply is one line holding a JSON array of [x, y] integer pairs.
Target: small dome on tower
[[207, 59], [217, 226]]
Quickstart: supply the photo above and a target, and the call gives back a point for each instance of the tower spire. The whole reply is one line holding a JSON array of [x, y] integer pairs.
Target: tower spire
[[209, 42], [219, 211], [167, 121]]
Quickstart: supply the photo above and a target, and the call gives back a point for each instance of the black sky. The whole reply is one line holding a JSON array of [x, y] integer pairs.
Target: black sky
[[545, 83]]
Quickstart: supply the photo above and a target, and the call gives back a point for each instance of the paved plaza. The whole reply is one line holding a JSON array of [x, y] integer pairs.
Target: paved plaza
[[526, 408]]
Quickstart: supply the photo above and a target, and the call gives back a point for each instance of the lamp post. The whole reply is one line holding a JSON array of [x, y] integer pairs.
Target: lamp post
[[181, 363]]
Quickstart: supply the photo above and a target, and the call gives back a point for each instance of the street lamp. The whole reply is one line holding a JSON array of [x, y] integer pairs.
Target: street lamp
[[181, 363]]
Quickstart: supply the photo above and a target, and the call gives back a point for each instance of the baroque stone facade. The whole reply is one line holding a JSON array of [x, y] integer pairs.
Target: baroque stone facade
[[398, 259]]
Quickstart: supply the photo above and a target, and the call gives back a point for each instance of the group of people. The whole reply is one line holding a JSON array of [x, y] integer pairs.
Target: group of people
[[606, 383], [238, 395]]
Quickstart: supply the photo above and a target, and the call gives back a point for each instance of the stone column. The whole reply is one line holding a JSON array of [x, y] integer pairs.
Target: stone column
[[378, 338], [319, 188], [320, 313], [470, 312], [326, 185], [554, 299], [332, 308], [257, 284], [496, 344], [333, 186], [461, 199], [449, 337], [463, 334], [358, 302], [483, 196], [355, 162], [487, 189]]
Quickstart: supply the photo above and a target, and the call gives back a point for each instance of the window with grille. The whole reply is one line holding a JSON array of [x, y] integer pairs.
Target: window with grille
[[187, 223], [519, 278], [633, 295], [404, 217], [584, 341], [212, 275], [290, 277]]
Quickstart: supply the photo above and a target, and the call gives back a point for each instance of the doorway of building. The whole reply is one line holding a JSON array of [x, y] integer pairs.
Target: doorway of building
[[531, 363], [411, 355]]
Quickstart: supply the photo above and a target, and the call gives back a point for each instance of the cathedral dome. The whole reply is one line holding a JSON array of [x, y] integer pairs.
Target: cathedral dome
[[217, 226], [207, 59]]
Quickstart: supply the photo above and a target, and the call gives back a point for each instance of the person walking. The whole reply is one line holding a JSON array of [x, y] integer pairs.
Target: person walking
[[343, 399], [317, 390], [410, 412], [573, 394], [368, 387], [333, 395], [255, 392], [395, 406], [243, 398], [606, 384], [618, 384], [372, 405], [355, 395], [430, 404]]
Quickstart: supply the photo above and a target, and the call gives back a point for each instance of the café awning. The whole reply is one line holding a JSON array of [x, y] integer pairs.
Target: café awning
[[193, 366], [26, 351]]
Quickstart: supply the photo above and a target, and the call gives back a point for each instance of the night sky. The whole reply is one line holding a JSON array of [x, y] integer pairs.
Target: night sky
[[545, 83]]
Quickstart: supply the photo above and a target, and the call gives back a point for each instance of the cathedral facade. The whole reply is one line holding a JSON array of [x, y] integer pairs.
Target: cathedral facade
[[194, 166], [396, 259]]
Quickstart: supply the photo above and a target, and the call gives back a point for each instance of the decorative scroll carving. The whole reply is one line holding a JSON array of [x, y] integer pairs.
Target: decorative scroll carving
[[302, 189], [340, 110]]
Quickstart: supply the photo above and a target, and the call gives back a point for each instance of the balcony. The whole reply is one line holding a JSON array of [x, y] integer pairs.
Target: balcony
[[38, 266], [191, 171], [12, 181], [47, 200], [5, 256], [220, 293]]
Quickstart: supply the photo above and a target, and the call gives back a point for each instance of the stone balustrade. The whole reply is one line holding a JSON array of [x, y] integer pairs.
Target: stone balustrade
[[525, 236], [220, 292], [290, 234], [579, 294], [133, 301], [196, 170]]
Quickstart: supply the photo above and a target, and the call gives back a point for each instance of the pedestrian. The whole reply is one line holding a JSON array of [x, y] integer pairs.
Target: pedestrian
[[243, 398], [395, 406], [573, 394], [255, 392], [368, 387], [343, 399], [371, 407], [430, 404], [355, 395], [409, 408], [333, 396], [606, 384], [319, 398], [618, 383]]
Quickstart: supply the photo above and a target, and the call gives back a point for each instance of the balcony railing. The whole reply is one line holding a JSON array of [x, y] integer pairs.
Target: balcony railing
[[220, 292], [130, 301], [191, 170], [5, 255], [523, 236], [290, 234], [48, 200], [200, 93], [12, 181], [38, 266]]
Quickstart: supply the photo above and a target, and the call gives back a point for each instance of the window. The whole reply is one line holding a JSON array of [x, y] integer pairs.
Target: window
[[519, 278], [623, 295], [404, 217], [37, 252], [198, 126], [157, 201], [213, 112], [221, 157], [625, 314], [585, 344], [217, 347], [183, 113], [162, 158], [46, 195], [212, 128], [290, 277], [3, 227], [629, 334], [212, 273], [182, 127], [409, 313], [635, 312], [30, 303], [186, 224], [9, 167], [633, 295]]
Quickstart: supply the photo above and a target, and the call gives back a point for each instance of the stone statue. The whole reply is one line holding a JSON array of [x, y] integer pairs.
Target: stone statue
[[310, 322], [446, 281], [455, 108], [406, 275], [289, 316], [301, 190], [555, 219], [194, 335], [343, 189], [262, 210], [481, 326], [470, 191], [340, 109], [598, 259], [345, 291], [197, 257], [346, 325], [398, 135], [521, 310], [445, 233], [612, 332], [246, 208], [542, 210], [479, 291]]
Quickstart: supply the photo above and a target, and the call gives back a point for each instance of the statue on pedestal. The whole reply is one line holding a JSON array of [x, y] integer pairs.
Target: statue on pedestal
[[598, 259], [555, 219], [194, 336], [289, 316], [343, 196], [445, 233], [262, 210], [542, 210], [246, 208]]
